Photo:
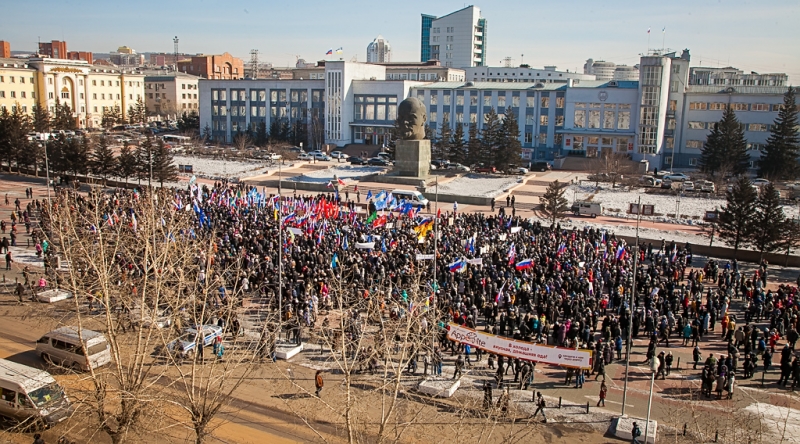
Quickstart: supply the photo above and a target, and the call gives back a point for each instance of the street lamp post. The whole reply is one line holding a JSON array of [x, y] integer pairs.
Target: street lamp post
[[435, 282], [654, 364]]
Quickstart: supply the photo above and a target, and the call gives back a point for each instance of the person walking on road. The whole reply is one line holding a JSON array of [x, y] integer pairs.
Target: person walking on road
[[603, 392], [318, 382], [636, 432], [540, 406]]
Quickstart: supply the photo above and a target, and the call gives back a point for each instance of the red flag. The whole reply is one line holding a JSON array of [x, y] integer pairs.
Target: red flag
[[439, 213]]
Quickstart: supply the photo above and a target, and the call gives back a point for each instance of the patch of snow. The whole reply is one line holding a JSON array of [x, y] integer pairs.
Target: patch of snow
[[343, 172], [476, 185], [616, 202], [215, 168]]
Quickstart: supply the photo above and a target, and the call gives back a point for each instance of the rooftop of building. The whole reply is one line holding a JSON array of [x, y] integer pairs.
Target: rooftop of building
[[737, 89], [519, 86], [454, 12], [13, 62]]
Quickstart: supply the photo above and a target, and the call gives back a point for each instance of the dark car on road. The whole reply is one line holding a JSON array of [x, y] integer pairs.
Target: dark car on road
[[540, 166], [485, 169], [355, 160], [377, 161]]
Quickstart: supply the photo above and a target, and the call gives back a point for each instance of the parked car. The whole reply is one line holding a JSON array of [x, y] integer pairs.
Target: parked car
[[541, 166], [355, 160], [273, 156], [793, 186], [650, 181], [63, 346], [677, 177], [338, 155], [522, 170], [32, 396], [485, 169], [706, 186], [440, 164], [586, 209], [385, 156], [186, 344], [688, 185], [760, 182], [458, 167], [377, 161], [304, 156], [666, 183], [295, 149]]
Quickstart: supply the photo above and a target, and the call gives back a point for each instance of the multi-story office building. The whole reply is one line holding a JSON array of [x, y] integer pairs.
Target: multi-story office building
[[660, 117], [699, 75], [523, 74], [610, 71], [223, 66], [431, 71], [17, 85], [87, 89], [379, 51], [5, 50], [457, 39], [350, 103], [125, 56], [170, 94]]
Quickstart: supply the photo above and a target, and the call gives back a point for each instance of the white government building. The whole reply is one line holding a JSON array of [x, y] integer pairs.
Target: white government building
[[662, 117]]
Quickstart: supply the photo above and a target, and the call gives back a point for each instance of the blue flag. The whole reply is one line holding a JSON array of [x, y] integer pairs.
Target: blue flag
[[369, 194], [383, 245]]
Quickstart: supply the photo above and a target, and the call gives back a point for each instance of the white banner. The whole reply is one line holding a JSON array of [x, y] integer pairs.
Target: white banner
[[296, 231], [365, 245], [424, 257], [476, 261], [546, 354], [515, 230]]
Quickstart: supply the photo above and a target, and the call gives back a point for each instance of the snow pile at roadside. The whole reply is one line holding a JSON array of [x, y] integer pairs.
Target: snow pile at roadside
[[476, 185], [343, 172], [691, 208], [214, 168]]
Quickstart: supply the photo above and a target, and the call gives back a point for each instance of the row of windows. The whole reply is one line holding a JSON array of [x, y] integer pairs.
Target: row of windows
[[592, 143], [12, 79], [719, 106], [609, 118], [544, 102], [261, 95], [758, 127], [13, 95]]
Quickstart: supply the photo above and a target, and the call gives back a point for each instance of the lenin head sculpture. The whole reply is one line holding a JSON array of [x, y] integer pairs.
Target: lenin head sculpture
[[411, 116]]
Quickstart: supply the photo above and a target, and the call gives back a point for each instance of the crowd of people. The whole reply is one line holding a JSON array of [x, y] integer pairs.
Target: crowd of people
[[508, 275]]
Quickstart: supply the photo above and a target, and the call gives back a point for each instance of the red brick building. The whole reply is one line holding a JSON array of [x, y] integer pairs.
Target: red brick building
[[223, 67], [55, 49], [58, 50], [5, 49], [80, 55]]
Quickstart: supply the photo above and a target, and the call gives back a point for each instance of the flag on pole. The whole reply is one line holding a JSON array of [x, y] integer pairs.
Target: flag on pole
[[330, 51], [663, 30], [339, 50], [499, 294], [335, 260], [648, 30], [457, 265], [512, 253], [341, 182], [621, 253], [522, 265], [369, 194]]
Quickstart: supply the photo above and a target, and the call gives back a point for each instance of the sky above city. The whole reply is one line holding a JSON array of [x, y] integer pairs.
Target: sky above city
[[760, 36]]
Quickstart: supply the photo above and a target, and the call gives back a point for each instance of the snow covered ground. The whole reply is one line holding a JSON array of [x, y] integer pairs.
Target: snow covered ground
[[692, 209], [343, 172], [213, 168], [477, 185]]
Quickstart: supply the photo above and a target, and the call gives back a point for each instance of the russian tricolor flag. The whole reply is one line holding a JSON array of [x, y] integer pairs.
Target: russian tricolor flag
[[457, 266], [522, 265], [621, 253]]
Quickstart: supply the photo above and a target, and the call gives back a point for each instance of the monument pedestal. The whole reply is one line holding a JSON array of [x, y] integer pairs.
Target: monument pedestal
[[412, 158]]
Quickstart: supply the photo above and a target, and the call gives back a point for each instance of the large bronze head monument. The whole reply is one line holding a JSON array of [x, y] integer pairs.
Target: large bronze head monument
[[412, 152], [412, 117]]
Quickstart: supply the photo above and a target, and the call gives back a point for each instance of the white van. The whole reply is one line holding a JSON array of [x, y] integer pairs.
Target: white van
[[413, 197], [63, 347], [587, 209], [30, 395]]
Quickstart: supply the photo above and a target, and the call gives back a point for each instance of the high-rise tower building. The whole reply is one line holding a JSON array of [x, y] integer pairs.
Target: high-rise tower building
[[379, 51], [457, 39]]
